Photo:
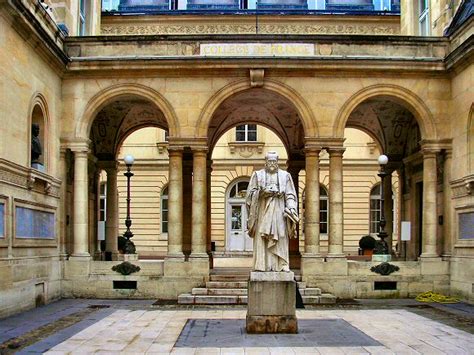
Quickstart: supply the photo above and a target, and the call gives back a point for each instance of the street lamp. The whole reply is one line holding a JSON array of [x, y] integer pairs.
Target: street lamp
[[129, 247], [381, 246]]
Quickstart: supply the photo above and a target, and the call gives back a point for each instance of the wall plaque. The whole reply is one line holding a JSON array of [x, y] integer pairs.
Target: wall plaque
[[30, 223], [466, 225], [2, 220], [256, 49]]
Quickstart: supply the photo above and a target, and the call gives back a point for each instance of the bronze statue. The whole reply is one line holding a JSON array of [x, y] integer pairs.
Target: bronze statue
[[36, 148]]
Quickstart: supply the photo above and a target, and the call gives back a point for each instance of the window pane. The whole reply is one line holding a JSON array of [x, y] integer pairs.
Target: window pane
[[236, 218], [240, 136], [252, 137]]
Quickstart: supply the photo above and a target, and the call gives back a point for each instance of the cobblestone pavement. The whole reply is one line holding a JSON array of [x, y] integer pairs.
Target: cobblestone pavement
[[137, 327]]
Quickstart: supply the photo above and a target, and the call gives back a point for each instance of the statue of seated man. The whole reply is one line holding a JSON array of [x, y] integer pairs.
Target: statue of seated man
[[272, 215], [36, 148]]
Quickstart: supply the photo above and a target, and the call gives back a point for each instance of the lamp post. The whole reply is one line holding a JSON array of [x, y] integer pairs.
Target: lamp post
[[129, 246], [381, 246]]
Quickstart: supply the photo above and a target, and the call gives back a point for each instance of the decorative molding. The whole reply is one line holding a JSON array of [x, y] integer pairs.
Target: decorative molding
[[384, 269], [126, 268], [256, 77], [281, 28], [246, 149], [463, 187], [29, 178], [162, 147]]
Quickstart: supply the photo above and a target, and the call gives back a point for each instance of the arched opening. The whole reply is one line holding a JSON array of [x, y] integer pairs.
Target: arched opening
[[39, 143], [396, 133], [237, 153], [129, 125], [243, 128]]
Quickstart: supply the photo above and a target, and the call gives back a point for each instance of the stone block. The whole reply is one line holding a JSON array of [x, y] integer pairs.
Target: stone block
[[272, 324], [311, 299], [311, 291], [434, 266], [271, 298], [327, 298], [176, 267], [272, 276]]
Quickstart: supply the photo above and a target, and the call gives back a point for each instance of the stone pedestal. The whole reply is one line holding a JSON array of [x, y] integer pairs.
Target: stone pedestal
[[271, 303]]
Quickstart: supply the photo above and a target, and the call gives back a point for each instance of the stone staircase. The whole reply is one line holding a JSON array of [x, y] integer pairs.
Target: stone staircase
[[229, 286]]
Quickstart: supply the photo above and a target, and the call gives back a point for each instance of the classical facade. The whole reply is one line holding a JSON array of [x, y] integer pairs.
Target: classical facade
[[90, 78]]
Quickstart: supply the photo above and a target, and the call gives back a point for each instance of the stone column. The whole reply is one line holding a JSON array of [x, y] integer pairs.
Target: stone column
[[81, 205], [199, 204], [311, 214], [336, 212], [429, 204], [111, 218], [447, 205], [63, 194], [175, 203]]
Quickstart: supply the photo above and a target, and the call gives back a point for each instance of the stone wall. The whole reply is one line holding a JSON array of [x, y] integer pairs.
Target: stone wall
[[30, 258]]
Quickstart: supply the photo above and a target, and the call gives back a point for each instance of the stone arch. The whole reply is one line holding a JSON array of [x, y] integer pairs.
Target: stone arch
[[303, 109], [39, 102], [400, 95], [112, 93]]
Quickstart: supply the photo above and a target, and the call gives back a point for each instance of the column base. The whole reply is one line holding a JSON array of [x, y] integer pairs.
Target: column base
[[335, 256], [433, 257], [80, 257], [199, 256], [175, 257], [312, 256]]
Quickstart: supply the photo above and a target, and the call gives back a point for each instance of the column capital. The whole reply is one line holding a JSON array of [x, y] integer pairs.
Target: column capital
[[336, 151], [324, 142], [312, 150], [200, 150], [435, 145], [175, 150], [76, 145]]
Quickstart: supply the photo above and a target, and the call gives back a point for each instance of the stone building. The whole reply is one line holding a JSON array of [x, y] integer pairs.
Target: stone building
[[307, 71]]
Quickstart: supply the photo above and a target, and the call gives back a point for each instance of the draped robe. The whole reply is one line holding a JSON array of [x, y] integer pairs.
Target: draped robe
[[267, 223]]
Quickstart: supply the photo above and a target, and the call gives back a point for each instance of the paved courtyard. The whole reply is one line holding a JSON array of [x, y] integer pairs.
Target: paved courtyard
[[137, 327]]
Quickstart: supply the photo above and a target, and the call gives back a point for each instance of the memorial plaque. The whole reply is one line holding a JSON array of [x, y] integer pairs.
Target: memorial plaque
[[30, 223], [2, 220], [466, 225]]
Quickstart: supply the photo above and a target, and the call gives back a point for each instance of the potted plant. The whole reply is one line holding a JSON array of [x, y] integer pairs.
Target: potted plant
[[367, 244]]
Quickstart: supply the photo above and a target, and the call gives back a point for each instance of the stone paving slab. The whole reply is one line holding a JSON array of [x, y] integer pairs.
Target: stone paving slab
[[136, 327], [230, 333]]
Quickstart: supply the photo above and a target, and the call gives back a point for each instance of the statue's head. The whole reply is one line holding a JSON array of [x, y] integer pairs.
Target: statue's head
[[271, 162], [35, 129]]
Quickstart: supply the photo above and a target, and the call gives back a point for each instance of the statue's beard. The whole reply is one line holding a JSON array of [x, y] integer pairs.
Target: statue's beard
[[272, 168]]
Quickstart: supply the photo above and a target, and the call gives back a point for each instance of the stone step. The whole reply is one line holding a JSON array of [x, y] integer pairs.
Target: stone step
[[301, 285], [226, 284], [310, 291], [325, 298], [231, 278], [210, 299], [220, 291]]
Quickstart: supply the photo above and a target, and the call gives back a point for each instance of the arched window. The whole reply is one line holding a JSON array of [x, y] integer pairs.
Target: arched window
[[375, 209], [323, 210], [164, 210]]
